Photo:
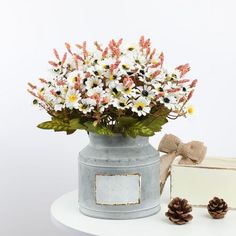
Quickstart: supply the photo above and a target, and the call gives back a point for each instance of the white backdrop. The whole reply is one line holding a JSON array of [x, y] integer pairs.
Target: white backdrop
[[201, 32]]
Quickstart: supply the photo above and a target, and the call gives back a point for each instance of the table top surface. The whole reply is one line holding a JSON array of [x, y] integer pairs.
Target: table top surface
[[65, 210]]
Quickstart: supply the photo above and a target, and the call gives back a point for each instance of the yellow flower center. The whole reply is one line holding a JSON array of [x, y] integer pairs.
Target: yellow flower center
[[190, 110], [83, 106], [74, 79], [130, 48], [127, 90], [106, 67], [140, 105], [154, 62], [125, 66], [72, 98], [111, 77]]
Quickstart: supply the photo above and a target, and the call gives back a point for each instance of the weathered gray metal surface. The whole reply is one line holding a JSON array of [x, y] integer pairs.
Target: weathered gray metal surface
[[119, 177]]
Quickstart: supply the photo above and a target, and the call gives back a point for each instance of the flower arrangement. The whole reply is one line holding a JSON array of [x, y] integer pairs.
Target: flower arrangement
[[112, 89]]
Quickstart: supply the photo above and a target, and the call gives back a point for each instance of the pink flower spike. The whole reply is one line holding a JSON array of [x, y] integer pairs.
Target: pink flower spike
[[173, 90], [128, 82], [43, 80], [87, 75], [53, 92], [77, 57], [77, 85], [183, 69], [161, 57], [56, 54], [147, 43], [183, 81], [161, 94], [105, 52], [155, 65], [78, 46], [193, 84], [32, 86], [152, 53], [41, 97], [182, 99], [98, 46], [64, 58], [156, 73], [96, 97], [85, 52], [190, 94], [52, 63], [78, 82], [60, 82], [32, 93], [114, 66], [141, 41], [119, 42], [68, 47], [105, 100]]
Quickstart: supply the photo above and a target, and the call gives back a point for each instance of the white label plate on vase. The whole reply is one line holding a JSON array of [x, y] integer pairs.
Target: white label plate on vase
[[118, 189]]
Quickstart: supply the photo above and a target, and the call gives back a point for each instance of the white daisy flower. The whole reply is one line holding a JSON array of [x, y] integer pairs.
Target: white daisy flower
[[93, 82], [106, 63], [102, 108], [140, 59], [58, 99], [169, 101], [72, 99], [72, 78], [129, 48], [98, 91], [126, 64], [146, 91], [128, 92], [162, 87], [114, 89], [96, 57], [141, 106], [113, 78], [121, 103], [87, 105]]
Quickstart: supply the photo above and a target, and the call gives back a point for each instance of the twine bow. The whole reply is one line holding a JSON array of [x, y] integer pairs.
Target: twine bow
[[192, 153]]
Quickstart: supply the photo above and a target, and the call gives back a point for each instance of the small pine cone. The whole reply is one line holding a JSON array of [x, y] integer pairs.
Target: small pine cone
[[178, 211], [217, 208]]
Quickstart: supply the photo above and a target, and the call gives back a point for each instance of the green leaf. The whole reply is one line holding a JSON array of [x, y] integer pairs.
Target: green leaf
[[147, 126], [156, 120], [90, 126], [103, 131], [75, 124], [60, 125], [155, 123], [126, 120], [98, 129], [139, 129], [55, 124], [70, 131], [46, 125]]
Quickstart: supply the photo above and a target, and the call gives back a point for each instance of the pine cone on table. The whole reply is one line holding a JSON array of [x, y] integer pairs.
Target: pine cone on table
[[217, 208], [178, 211]]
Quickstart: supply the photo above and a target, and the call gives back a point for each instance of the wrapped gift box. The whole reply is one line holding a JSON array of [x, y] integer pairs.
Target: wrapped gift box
[[200, 183]]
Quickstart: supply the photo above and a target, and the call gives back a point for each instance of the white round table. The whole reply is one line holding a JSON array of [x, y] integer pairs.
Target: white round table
[[65, 210]]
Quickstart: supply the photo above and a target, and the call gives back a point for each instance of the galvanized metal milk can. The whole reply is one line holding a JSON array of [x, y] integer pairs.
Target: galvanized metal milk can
[[119, 177]]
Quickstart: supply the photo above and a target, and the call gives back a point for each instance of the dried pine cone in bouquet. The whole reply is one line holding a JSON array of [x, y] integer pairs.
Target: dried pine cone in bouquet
[[217, 208], [178, 211]]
